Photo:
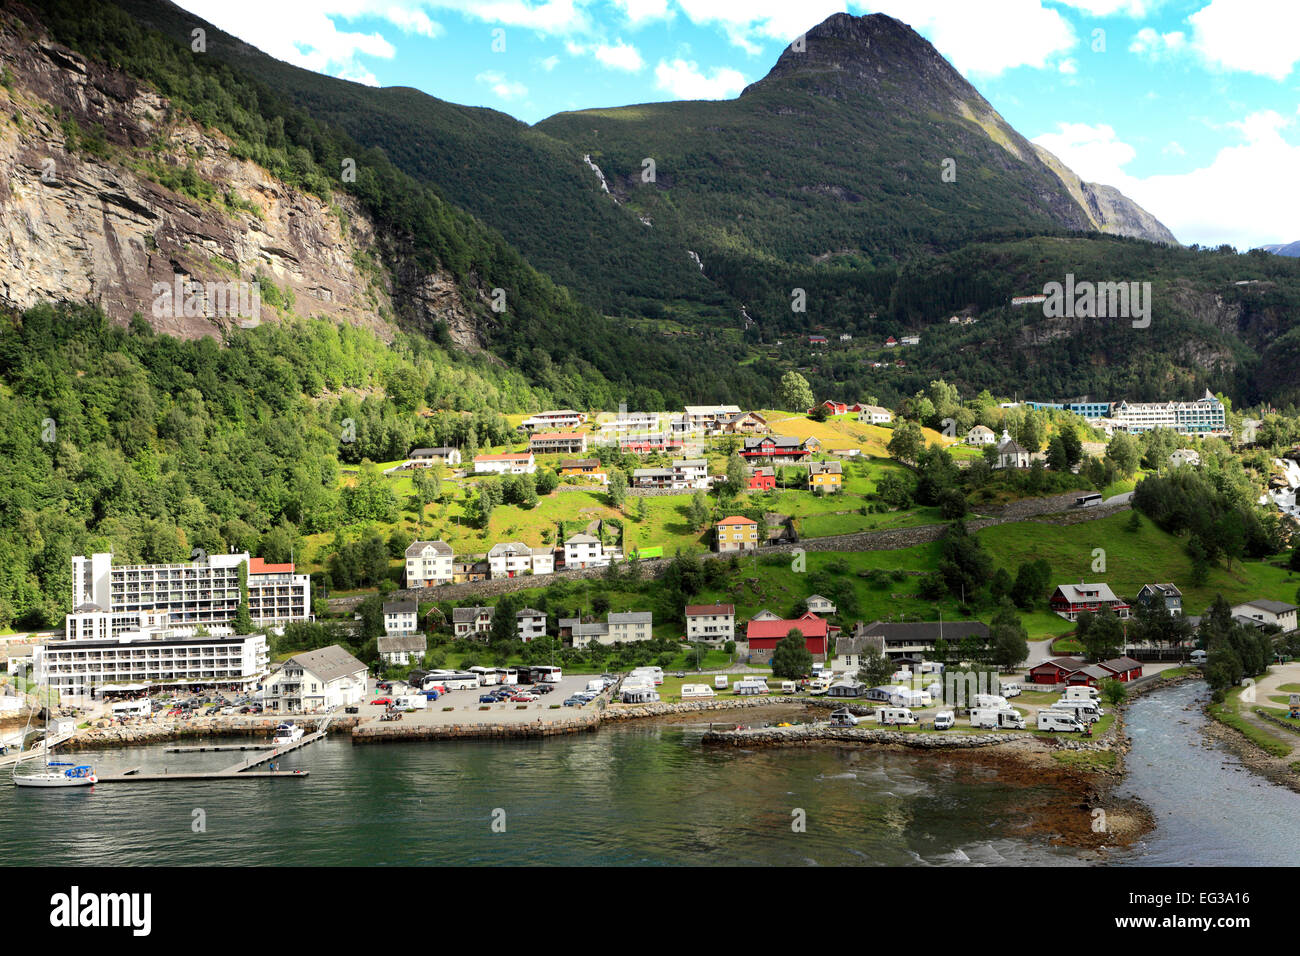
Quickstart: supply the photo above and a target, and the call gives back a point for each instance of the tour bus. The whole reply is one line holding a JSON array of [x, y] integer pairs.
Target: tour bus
[[547, 674], [508, 675], [487, 676], [1087, 501], [132, 708], [451, 680]]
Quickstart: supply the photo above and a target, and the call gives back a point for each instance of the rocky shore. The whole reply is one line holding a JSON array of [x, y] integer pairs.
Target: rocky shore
[[398, 731]]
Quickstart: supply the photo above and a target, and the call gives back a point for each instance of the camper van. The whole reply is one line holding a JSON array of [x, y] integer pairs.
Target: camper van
[[890, 716], [413, 702], [1081, 692], [1198, 657], [1010, 689], [132, 708], [819, 687], [843, 718], [1084, 710], [720, 681], [597, 685], [994, 701], [696, 691], [991, 718], [1054, 720], [944, 720]]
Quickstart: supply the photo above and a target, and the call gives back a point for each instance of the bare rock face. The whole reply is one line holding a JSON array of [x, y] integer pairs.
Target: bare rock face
[[83, 216]]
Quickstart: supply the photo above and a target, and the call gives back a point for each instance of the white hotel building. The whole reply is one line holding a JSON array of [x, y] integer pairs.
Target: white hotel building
[[1206, 415]]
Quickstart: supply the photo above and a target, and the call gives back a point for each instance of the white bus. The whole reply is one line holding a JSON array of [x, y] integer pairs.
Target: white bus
[[452, 680], [547, 674], [487, 676]]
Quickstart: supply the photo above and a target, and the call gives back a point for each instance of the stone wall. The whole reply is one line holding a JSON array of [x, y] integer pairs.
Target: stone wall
[[397, 731], [157, 730], [807, 734]]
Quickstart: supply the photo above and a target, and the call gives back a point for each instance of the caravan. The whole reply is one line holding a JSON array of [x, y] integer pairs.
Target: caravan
[[696, 691], [891, 716]]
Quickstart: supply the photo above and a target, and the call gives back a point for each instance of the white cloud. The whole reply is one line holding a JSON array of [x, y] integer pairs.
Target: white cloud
[[1111, 8], [502, 87], [1174, 148], [548, 17], [1251, 36], [1152, 45], [412, 20], [1069, 66], [549, 63], [751, 24], [1244, 196], [686, 81], [987, 39], [620, 56], [643, 11]]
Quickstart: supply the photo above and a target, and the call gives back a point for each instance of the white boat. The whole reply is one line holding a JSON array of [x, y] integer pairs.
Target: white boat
[[56, 774], [287, 734]]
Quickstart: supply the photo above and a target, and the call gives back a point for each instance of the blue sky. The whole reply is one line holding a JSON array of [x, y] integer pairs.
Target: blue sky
[[1190, 107]]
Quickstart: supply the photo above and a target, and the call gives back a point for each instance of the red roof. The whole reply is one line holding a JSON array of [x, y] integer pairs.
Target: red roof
[[737, 519], [696, 609], [258, 566], [810, 625]]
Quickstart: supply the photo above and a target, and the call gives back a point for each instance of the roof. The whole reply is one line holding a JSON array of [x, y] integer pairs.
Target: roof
[[691, 463], [711, 409], [581, 538], [400, 607], [416, 548], [737, 519], [980, 430], [508, 456], [406, 642], [258, 566], [327, 663], [580, 463], [441, 450], [468, 615], [556, 436], [1121, 664], [1072, 592], [781, 441], [1068, 664], [1169, 590], [696, 610], [510, 547], [810, 626], [630, 617], [825, 468], [529, 612], [857, 644], [1273, 607], [921, 632]]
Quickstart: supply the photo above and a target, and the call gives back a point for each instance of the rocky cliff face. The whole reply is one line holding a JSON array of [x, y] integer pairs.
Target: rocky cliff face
[[1108, 209], [85, 215]]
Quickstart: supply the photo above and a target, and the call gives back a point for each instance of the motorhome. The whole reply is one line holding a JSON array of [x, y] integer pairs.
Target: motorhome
[[654, 673], [843, 718], [597, 685], [720, 681], [890, 716], [819, 687], [997, 718], [1010, 689], [1084, 710], [132, 708], [944, 720], [787, 687], [412, 702], [1081, 692], [1054, 720], [696, 691], [994, 701], [1198, 657]]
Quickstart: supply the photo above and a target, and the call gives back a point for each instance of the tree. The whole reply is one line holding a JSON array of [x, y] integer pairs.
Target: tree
[[1008, 639], [505, 626], [875, 668], [1057, 456], [617, 488], [791, 658], [1114, 691], [906, 442], [894, 489], [952, 504], [1101, 635], [1123, 451], [737, 473], [796, 394], [1073, 446], [699, 512]]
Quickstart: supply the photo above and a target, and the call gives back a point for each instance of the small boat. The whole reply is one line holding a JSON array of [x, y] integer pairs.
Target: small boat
[[287, 734], [75, 775]]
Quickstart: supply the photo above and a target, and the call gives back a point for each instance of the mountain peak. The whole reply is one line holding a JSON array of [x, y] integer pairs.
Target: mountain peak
[[844, 52]]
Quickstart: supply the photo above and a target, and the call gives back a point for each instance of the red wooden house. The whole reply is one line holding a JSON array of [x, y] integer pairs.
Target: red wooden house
[[1070, 600], [764, 635], [834, 408], [1055, 671], [762, 479]]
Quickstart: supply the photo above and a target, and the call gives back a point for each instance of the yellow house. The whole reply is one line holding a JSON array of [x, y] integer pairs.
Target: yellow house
[[825, 475], [737, 534]]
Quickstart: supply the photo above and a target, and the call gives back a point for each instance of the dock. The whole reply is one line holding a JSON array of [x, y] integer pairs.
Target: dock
[[240, 771], [273, 754], [36, 751], [134, 776], [212, 748]]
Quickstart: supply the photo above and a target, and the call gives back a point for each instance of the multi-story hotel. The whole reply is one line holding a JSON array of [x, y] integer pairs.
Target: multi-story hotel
[[198, 593], [1203, 416], [80, 666]]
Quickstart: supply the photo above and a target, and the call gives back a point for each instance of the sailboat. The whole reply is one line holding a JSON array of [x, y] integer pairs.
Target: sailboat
[[56, 773]]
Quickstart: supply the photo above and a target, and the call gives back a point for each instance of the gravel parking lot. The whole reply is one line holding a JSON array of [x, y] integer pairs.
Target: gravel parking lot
[[467, 709]]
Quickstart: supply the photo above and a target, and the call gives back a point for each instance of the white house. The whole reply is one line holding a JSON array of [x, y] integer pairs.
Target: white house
[[1185, 456], [875, 415], [531, 624], [400, 618], [981, 435], [629, 625], [428, 564], [584, 551], [312, 681], [911, 340], [511, 559], [714, 623], [1268, 612], [427, 457], [402, 650], [559, 418], [820, 605], [510, 463], [471, 621]]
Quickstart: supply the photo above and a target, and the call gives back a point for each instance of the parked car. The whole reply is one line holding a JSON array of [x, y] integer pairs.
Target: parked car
[[381, 701], [542, 689], [488, 698], [524, 698], [574, 702]]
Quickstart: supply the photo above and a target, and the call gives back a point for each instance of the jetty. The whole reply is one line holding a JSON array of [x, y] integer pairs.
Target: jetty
[[240, 771]]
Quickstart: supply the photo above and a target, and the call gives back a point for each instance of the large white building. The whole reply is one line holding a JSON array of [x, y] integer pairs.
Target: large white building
[[511, 559], [1206, 415], [312, 681], [710, 622], [198, 593], [428, 564], [585, 551], [83, 666]]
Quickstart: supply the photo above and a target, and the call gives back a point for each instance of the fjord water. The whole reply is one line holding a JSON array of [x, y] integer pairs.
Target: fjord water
[[634, 795]]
